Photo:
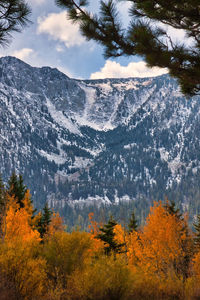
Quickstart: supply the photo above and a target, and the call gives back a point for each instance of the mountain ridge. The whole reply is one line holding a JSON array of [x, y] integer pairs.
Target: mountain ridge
[[106, 140]]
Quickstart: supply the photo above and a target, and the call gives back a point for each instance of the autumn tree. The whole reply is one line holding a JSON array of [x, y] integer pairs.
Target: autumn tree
[[13, 17], [93, 226], [106, 278], [19, 257], [56, 224], [170, 207], [146, 34], [158, 248], [64, 253], [94, 229]]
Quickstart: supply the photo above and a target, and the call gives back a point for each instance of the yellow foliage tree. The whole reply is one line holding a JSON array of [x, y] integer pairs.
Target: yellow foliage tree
[[98, 245], [121, 236], [106, 278], [19, 261], [64, 252], [158, 249], [56, 224], [193, 282]]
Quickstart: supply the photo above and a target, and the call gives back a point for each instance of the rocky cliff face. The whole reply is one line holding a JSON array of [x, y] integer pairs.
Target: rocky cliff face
[[95, 140]]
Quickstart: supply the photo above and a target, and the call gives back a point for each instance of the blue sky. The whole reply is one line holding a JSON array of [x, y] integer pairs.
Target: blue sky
[[51, 40]]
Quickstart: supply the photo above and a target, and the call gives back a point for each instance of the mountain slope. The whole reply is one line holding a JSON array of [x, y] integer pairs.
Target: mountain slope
[[96, 140]]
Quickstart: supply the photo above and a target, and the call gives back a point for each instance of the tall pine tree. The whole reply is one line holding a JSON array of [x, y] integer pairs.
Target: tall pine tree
[[2, 203], [197, 233], [132, 226], [2, 193], [107, 235], [170, 206], [44, 221], [17, 188]]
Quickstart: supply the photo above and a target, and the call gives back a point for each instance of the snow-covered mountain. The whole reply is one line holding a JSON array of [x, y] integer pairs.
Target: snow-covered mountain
[[96, 140]]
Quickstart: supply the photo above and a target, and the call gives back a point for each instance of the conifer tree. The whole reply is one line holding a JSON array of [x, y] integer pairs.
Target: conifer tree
[[17, 188], [13, 17], [45, 220], [2, 193], [2, 203], [197, 232], [170, 206], [22, 189], [12, 183], [107, 235], [47, 213], [132, 226], [146, 36]]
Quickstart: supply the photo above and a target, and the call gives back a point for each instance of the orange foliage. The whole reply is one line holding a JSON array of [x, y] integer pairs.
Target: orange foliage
[[27, 203], [56, 224], [74, 263], [18, 260], [17, 221], [121, 236], [98, 245], [158, 248], [196, 266], [94, 226]]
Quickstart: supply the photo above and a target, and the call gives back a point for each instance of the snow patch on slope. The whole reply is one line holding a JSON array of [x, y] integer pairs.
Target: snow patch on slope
[[61, 119], [58, 159]]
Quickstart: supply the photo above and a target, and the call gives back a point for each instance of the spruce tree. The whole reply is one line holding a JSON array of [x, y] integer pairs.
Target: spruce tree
[[45, 220], [170, 206], [12, 184], [2, 193], [2, 203], [197, 232], [132, 226], [107, 235], [47, 214], [145, 35], [17, 188], [13, 17]]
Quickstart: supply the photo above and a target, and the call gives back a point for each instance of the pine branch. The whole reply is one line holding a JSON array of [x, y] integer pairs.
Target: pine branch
[[13, 17], [144, 37]]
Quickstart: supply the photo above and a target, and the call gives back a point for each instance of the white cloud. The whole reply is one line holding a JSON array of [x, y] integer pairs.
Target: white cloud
[[37, 2], [23, 53], [113, 69], [60, 29], [59, 48]]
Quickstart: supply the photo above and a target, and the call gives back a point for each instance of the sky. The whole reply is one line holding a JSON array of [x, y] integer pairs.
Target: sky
[[52, 40]]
